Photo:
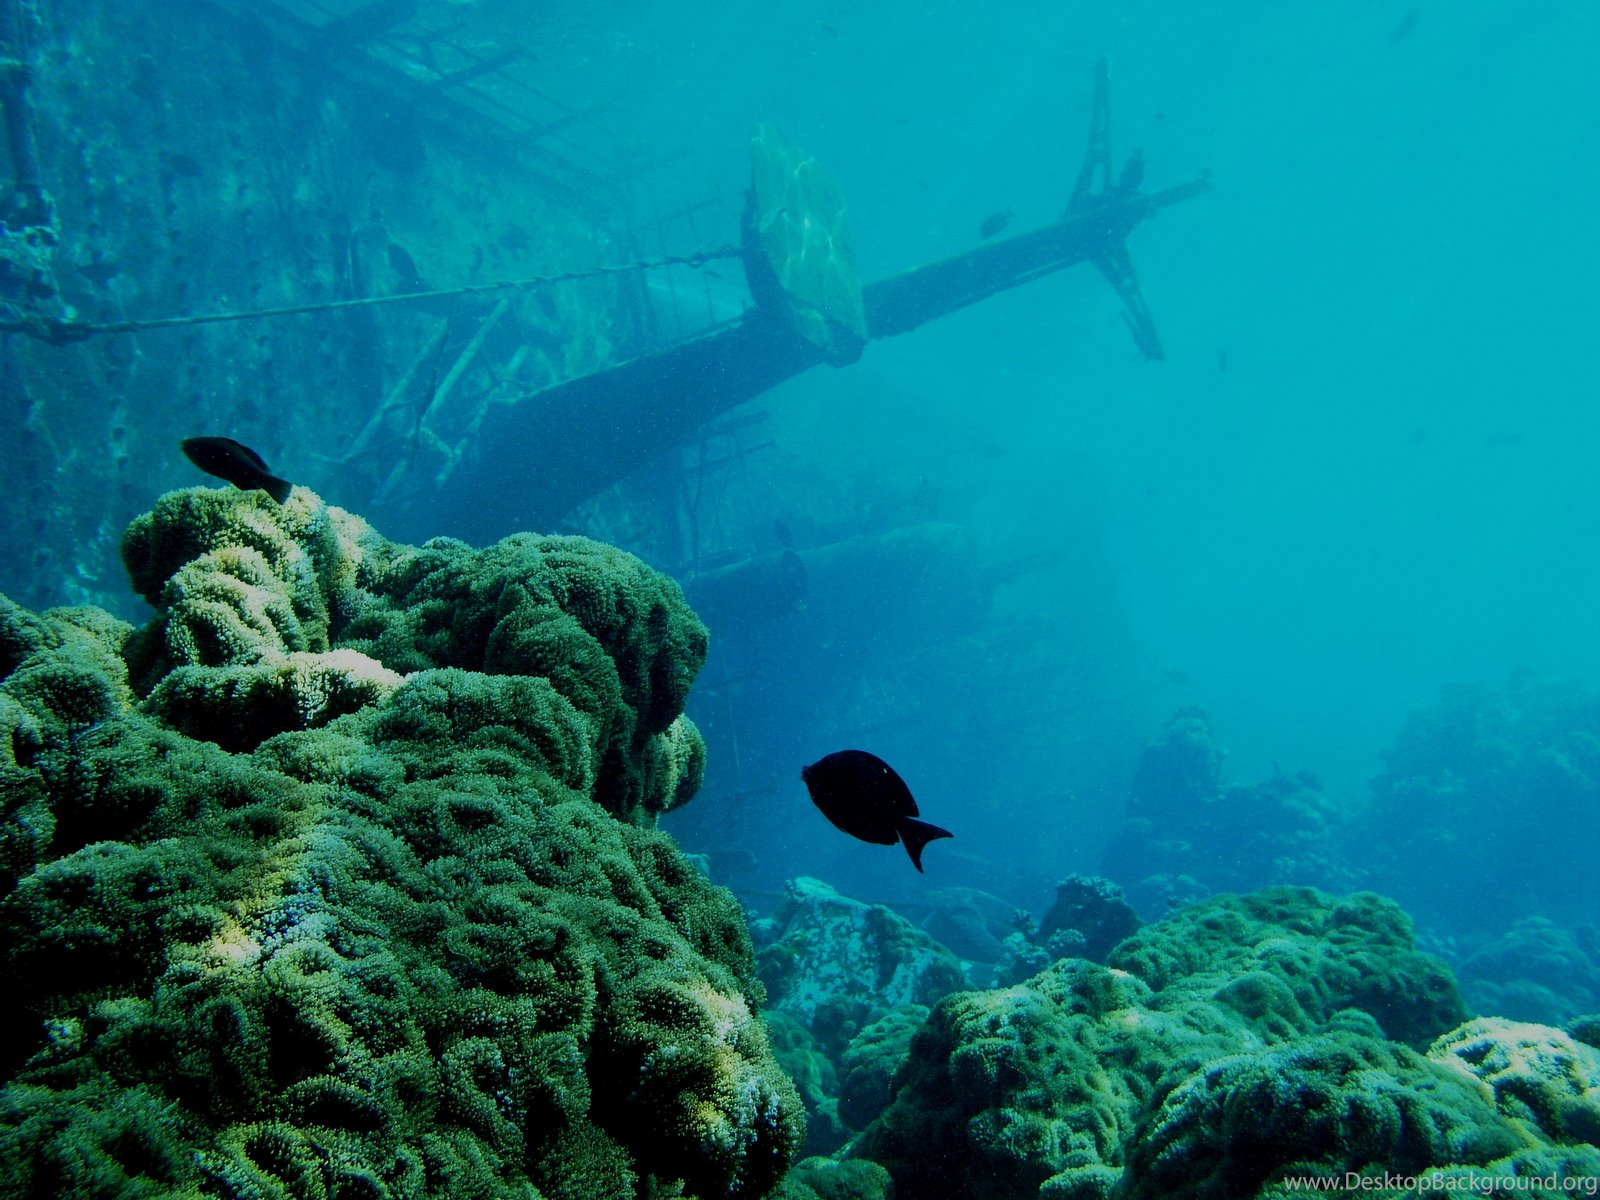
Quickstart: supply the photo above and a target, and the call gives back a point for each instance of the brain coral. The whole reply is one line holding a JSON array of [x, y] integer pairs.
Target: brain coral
[[377, 937], [282, 617], [1288, 958], [1222, 1050]]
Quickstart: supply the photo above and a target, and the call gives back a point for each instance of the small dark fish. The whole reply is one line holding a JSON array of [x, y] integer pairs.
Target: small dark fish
[[1222, 360], [182, 166], [995, 222], [1176, 676], [782, 533], [515, 240], [99, 272], [1407, 25], [407, 277], [862, 795], [236, 463]]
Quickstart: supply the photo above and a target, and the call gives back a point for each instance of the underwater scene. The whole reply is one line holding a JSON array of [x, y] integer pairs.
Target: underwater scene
[[830, 601]]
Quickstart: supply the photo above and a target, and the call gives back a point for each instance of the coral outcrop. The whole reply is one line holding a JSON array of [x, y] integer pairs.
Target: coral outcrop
[[1092, 912], [1286, 960], [1539, 1075], [274, 618], [837, 962], [872, 1059], [1088, 917], [339, 879], [1508, 777], [1222, 1051], [833, 965], [1284, 829], [1535, 971], [971, 923], [827, 1179]]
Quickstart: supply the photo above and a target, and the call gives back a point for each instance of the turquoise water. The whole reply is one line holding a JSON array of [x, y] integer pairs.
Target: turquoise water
[[1310, 601]]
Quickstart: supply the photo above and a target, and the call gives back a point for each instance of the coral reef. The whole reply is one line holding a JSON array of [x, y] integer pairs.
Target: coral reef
[[1535, 971], [815, 1078], [1180, 811], [274, 618], [1509, 778], [1219, 1052], [1182, 766], [1006, 1089], [971, 923], [1320, 1106], [832, 966], [1092, 913], [1287, 959], [871, 1060], [826, 1179], [402, 927], [1539, 1075], [1585, 1029], [838, 963], [1088, 917]]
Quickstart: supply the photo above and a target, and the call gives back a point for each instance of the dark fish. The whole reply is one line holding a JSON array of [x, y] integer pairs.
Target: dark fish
[[99, 272], [1407, 25], [182, 166], [407, 277], [515, 240], [995, 222], [236, 463], [862, 795]]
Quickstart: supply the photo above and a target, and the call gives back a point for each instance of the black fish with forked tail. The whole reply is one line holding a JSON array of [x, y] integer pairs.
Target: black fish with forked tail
[[235, 463], [862, 795]]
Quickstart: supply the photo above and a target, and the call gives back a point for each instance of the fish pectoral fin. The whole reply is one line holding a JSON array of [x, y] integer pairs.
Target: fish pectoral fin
[[917, 834]]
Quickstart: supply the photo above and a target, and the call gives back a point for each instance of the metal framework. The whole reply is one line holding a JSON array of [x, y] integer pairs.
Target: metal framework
[[447, 69]]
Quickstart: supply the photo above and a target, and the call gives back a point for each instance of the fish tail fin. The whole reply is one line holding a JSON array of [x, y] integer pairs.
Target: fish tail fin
[[278, 489], [917, 834]]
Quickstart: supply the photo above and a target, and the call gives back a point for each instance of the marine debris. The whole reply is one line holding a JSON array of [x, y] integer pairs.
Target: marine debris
[[810, 309]]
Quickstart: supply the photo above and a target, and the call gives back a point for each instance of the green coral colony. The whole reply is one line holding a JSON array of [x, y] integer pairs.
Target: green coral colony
[[340, 879]]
